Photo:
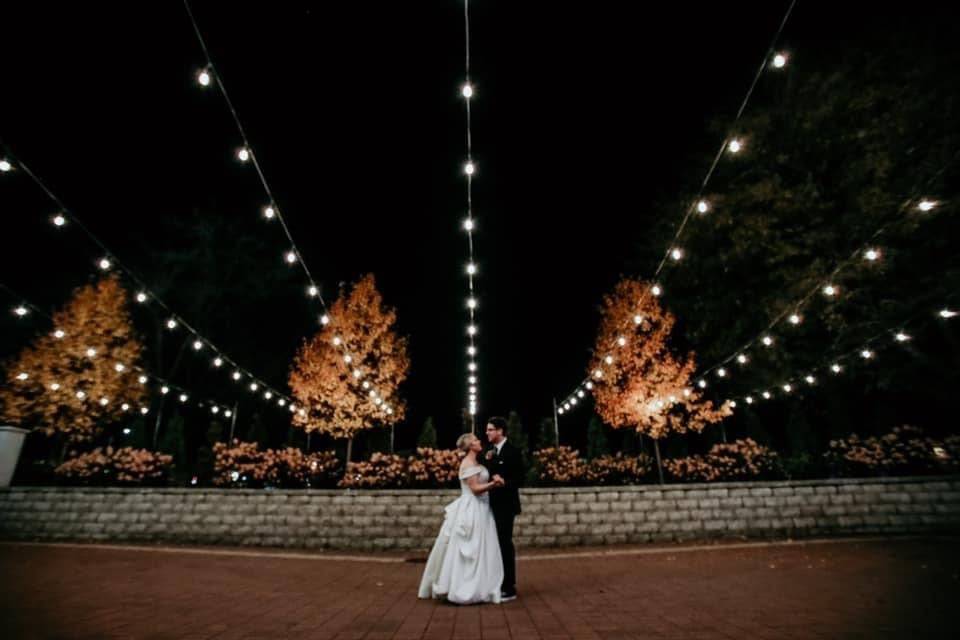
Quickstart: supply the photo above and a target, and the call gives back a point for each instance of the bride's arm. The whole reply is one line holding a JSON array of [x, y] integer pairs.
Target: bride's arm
[[477, 487]]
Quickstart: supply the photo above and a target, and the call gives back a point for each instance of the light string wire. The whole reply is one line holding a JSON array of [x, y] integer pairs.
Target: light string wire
[[469, 224]]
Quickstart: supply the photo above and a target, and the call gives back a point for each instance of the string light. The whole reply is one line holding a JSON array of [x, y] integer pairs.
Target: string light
[[171, 324], [467, 91], [204, 78], [58, 334], [656, 290], [291, 257], [22, 376], [830, 290], [767, 341], [871, 254], [59, 220], [5, 165], [901, 337], [104, 401], [183, 397], [703, 206], [866, 354], [119, 367], [91, 352], [243, 154], [55, 386], [218, 362], [676, 253], [927, 205], [313, 291], [721, 372], [735, 146], [164, 389], [836, 368], [810, 380], [197, 345], [469, 224], [779, 60], [141, 297], [21, 311], [104, 264], [469, 168], [947, 313], [794, 318], [742, 359], [81, 395], [269, 212], [237, 375], [142, 379]]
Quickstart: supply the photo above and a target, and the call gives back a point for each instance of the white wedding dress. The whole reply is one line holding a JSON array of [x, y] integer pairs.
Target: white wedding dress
[[465, 565]]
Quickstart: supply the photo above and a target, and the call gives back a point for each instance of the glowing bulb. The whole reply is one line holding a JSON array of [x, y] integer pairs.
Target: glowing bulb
[[373, 394], [81, 395], [703, 206], [215, 409], [291, 257], [580, 394], [767, 341], [126, 407], [91, 352], [183, 397], [947, 313], [104, 264], [467, 90], [267, 395], [468, 224], [471, 351], [472, 330], [59, 220], [471, 303], [293, 408], [171, 324], [218, 362], [732, 403], [243, 154], [779, 60], [810, 379], [197, 345], [104, 401], [735, 146], [236, 375], [144, 411], [926, 205], [560, 410], [788, 388], [830, 290], [621, 341], [866, 354], [766, 395], [589, 385], [472, 269], [324, 319], [721, 372], [119, 367], [5, 165], [742, 359], [749, 399], [141, 297], [637, 319], [702, 384], [597, 373], [164, 389], [357, 373], [473, 389], [55, 386], [228, 413], [21, 311], [337, 341], [676, 253], [347, 358], [472, 379], [203, 78], [253, 386], [58, 334], [313, 291], [901, 336], [269, 212], [472, 366], [656, 290], [836, 368], [469, 168], [794, 318], [22, 376], [608, 360]]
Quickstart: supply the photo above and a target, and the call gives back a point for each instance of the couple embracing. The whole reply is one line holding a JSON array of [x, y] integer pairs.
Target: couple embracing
[[473, 558]]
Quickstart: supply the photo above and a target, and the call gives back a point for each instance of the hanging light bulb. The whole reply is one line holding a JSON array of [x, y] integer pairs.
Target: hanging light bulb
[[637, 319], [104, 264], [5, 165], [703, 206], [927, 205], [468, 224], [290, 257], [267, 395], [81, 395], [732, 404], [91, 352], [119, 367], [197, 345], [348, 358], [836, 368], [58, 334], [469, 168], [794, 318], [237, 375], [59, 220], [947, 313], [466, 90], [141, 297], [218, 362], [228, 413], [871, 254], [55, 386], [20, 311], [830, 290], [560, 410], [357, 373], [608, 360], [171, 324], [204, 78], [702, 384], [472, 366], [471, 351], [749, 399], [589, 385], [164, 390], [721, 373], [766, 395], [734, 146], [337, 341], [183, 397], [573, 401], [779, 60], [472, 379], [901, 337], [292, 408], [810, 379], [324, 319], [788, 388], [22, 376], [472, 269], [866, 354], [656, 290], [215, 409], [621, 341], [144, 411], [580, 394], [471, 303], [597, 373], [767, 341], [253, 386], [742, 359], [313, 291], [676, 254], [269, 212], [472, 330], [243, 154]]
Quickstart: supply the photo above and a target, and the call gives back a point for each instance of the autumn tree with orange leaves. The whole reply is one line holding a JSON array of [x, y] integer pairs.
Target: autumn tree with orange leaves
[[346, 378], [77, 377], [638, 382]]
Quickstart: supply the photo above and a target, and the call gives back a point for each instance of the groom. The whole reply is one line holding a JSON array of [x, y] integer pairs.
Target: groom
[[506, 462]]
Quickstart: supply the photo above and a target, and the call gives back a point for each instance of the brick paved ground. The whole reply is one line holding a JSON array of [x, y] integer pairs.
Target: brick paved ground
[[842, 589]]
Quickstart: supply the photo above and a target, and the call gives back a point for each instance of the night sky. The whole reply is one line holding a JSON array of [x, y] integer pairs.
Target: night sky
[[584, 115]]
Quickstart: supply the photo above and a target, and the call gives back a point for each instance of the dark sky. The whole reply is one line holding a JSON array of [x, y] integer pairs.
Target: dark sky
[[585, 114]]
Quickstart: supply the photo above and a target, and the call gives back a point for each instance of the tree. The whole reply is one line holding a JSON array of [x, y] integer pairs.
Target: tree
[[346, 378], [516, 433], [74, 385], [597, 444], [547, 434], [428, 435], [638, 382]]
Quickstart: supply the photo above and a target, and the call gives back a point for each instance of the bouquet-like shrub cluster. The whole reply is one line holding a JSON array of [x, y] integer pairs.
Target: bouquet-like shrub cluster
[[109, 466]]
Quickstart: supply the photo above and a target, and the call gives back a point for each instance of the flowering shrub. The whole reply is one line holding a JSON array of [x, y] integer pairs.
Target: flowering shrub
[[559, 465], [126, 466], [903, 451], [427, 468], [738, 460], [619, 469], [244, 465]]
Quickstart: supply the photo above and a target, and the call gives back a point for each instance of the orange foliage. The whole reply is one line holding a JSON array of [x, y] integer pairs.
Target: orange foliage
[[646, 386], [336, 402], [95, 318]]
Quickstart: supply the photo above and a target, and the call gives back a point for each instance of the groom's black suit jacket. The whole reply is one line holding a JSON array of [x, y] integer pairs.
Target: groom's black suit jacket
[[509, 465]]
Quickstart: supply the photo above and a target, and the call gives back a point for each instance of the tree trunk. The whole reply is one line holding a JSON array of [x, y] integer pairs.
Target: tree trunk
[[391, 438], [309, 433], [349, 451], [723, 433], [656, 448]]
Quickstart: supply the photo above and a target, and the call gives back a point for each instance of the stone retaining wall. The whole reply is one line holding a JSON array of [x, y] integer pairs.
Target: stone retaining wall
[[410, 519]]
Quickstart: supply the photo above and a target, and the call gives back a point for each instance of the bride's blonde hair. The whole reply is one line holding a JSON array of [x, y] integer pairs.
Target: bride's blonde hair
[[463, 442]]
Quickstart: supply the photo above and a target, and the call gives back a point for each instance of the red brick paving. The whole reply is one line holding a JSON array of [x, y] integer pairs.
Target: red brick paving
[[843, 589]]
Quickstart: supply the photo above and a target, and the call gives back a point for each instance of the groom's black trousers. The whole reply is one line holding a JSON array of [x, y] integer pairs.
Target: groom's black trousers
[[505, 536]]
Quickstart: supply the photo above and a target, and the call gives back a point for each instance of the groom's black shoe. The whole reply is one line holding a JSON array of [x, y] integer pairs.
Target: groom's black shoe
[[507, 596]]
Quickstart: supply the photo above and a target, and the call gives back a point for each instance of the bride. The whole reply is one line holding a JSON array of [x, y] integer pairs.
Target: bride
[[465, 565]]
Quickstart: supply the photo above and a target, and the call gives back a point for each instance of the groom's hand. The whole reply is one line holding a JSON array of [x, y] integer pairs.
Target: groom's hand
[[499, 479]]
